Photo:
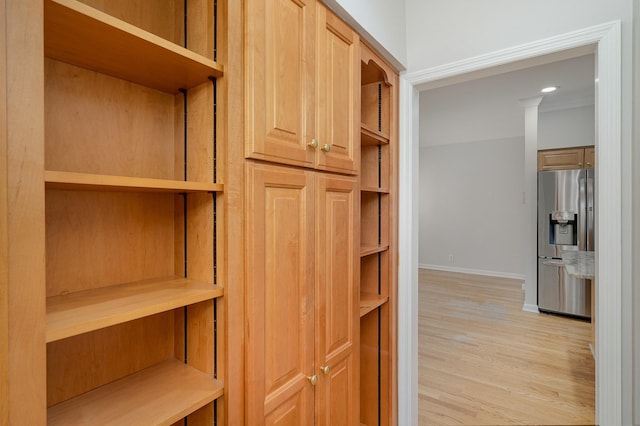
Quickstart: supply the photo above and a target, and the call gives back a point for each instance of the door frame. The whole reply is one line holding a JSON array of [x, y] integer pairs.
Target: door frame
[[606, 41]]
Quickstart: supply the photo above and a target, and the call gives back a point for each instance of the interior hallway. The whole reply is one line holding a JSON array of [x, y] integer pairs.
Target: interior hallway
[[483, 361]]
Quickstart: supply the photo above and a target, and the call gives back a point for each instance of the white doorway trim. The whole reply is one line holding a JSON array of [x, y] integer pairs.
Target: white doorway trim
[[606, 38]]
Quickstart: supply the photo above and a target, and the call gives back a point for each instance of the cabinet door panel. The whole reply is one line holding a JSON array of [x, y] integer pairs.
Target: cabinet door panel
[[337, 307], [280, 295], [339, 394], [561, 159], [590, 158], [280, 61], [338, 93]]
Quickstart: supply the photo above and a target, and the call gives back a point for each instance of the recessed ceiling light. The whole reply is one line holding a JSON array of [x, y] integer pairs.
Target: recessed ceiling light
[[549, 89]]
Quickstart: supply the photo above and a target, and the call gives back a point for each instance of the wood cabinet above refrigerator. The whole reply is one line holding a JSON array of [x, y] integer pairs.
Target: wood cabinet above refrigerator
[[566, 158]]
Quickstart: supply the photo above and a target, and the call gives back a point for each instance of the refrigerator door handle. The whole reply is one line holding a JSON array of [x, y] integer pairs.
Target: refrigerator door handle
[[553, 262], [590, 212], [582, 213]]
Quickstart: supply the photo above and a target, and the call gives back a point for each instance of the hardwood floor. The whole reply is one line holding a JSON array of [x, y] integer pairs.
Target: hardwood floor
[[483, 361]]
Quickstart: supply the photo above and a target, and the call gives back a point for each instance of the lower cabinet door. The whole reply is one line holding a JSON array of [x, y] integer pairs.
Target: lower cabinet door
[[301, 297], [280, 295], [337, 293]]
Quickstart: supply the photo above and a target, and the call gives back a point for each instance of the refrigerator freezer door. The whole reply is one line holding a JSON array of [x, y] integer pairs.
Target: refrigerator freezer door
[[560, 292], [560, 193]]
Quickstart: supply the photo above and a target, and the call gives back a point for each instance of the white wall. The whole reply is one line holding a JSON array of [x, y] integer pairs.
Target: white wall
[[444, 31], [471, 206], [383, 20], [566, 128]]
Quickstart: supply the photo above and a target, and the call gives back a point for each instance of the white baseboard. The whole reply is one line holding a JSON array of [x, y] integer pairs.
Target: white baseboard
[[530, 308], [473, 271]]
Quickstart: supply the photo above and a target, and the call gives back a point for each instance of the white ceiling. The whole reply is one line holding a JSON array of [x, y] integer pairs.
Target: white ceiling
[[489, 108]]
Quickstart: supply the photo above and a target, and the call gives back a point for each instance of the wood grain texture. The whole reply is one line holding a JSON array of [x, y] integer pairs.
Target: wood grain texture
[[337, 307], [370, 302], [375, 167], [103, 125], [84, 362], [483, 361], [369, 371], [280, 294], [80, 312], [164, 18], [86, 37], [96, 239], [590, 158], [158, 395], [561, 159], [93, 182], [280, 80], [4, 231], [230, 237], [338, 81], [23, 210], [379, 261]]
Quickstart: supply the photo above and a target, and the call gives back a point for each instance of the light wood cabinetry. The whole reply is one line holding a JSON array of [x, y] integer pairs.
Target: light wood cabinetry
[[566, 158], [378, 258], [301, 296], [125, 217], [590, 158], [301, 100]]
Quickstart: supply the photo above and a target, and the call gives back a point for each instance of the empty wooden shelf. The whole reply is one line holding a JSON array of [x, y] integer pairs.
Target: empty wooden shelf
[[75, 313], [96, 182], [370, 136], [158, 395], [81, 35], [367, 250], [369, 302]]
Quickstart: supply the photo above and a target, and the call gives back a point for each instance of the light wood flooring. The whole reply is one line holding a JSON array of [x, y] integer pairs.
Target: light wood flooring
[[483, 361]]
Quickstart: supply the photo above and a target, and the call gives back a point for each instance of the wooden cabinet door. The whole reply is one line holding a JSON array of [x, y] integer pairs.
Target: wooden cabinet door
[[561, 159], [337, 300], [590, 158], [338, 94], [279, 295], [280, 80]]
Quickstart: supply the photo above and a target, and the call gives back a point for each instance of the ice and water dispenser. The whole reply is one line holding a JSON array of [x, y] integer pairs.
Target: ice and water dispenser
[[562, 228]]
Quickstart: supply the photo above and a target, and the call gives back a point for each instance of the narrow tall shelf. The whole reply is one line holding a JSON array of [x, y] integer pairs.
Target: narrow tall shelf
[[378, 245], [130, 213]]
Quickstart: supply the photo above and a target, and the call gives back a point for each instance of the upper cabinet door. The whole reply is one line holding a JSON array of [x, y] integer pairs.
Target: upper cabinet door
[[338, 96], [561, 159], [280, 89]]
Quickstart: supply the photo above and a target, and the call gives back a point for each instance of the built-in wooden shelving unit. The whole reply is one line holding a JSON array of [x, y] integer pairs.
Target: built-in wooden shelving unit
[[377, 244], [130, 196]]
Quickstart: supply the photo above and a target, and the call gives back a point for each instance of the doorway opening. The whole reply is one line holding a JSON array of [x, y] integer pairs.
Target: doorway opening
[[606, 39]]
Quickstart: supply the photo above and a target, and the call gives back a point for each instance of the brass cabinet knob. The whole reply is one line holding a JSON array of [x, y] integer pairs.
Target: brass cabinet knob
[[326, 147], [325, 369], [313, 379], [313, 143]]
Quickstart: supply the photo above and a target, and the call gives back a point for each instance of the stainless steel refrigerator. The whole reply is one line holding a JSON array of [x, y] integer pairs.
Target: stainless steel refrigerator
[[565, 222]]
